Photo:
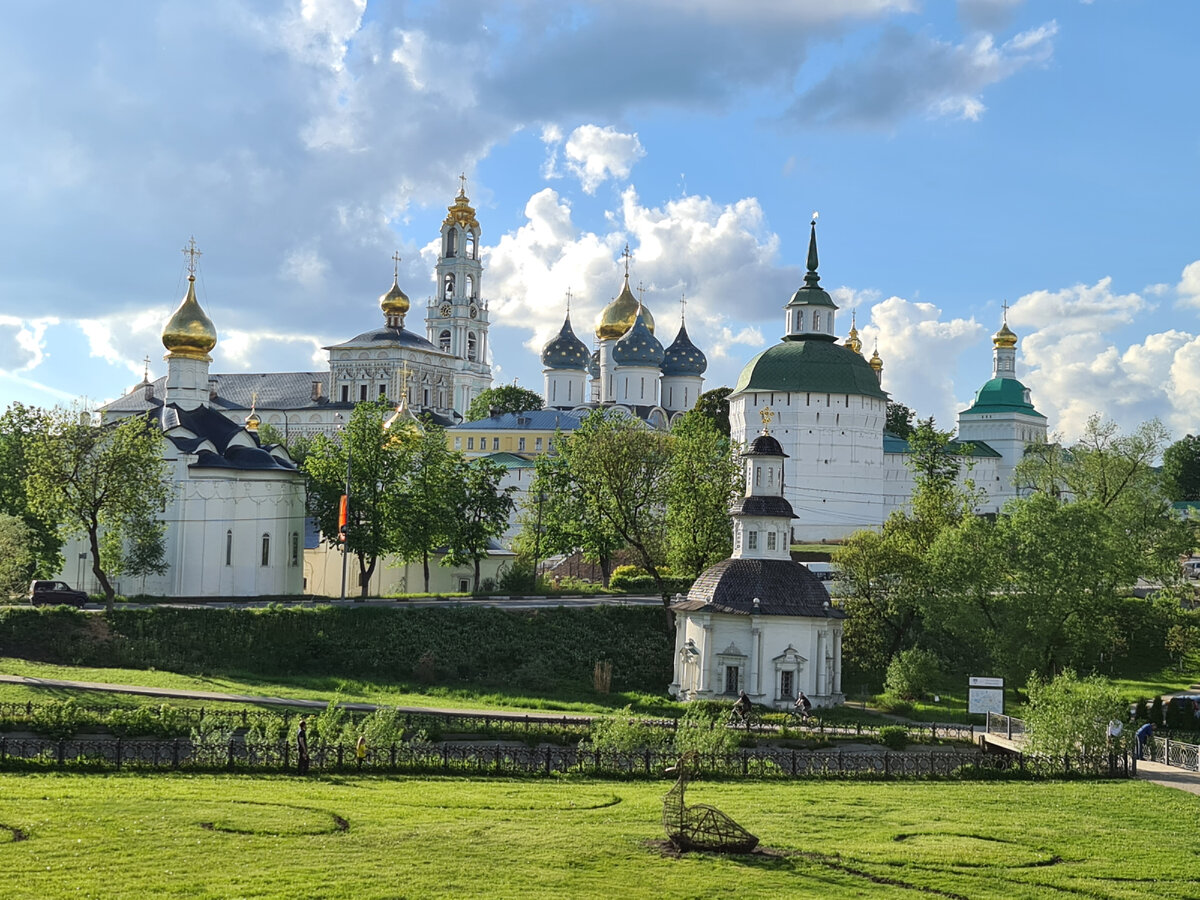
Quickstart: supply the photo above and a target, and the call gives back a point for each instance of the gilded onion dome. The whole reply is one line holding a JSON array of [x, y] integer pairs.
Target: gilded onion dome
[[638, 347], [852, 340], [565, 350], [875, 362], [253, 421], [189, 332], [395, 301], [683, 357], [1005, 337], [617, 318], [461, 212]]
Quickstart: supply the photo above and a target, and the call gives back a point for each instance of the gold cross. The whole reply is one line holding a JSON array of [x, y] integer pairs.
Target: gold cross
[[462, 184], [568, 300], [768, 416], [396, 268], [191, 253], [1005, 307], [626, 255]]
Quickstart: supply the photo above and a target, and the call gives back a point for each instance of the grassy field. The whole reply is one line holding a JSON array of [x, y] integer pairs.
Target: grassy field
[[129, 836]]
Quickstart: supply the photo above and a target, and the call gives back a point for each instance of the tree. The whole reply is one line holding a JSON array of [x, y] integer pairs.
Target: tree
[[714, 405], [703, 476], [557, 519], [423, 507], [618, 466], [1181, 469], [1069, 715], [375, 460], [297, 447], [508, 398], [16, 557], [899, 419], [479, 511], [18, 426], [137, 548], [97, 478]]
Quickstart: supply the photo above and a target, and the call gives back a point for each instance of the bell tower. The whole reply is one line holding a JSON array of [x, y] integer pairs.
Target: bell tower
[[456, 321]]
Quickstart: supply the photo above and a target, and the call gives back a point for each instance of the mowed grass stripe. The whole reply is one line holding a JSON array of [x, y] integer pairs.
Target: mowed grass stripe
[[129, 836]]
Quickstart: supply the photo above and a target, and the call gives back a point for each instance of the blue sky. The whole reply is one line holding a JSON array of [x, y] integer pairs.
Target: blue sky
[[960, 154]]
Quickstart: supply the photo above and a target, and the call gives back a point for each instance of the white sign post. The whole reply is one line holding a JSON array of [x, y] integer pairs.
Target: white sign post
[[985, 695]]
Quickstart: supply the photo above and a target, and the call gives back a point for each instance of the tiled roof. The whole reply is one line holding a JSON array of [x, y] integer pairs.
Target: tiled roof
[[782, 587], [762, 506], [814, 365], [532, 420], [399, 337]]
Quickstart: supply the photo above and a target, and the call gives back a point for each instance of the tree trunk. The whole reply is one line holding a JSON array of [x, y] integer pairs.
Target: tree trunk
[[425, 564], [475, 590], [94, 543], [364, 577]]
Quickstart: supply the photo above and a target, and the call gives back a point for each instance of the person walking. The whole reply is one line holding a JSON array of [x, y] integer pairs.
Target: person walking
[[1143, 735], [302, 748], [360, 750]]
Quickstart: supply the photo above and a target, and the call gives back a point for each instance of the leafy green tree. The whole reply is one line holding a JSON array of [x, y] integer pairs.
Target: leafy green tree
[[95, 478], [136, 548], [507, 398], [556, 518], [479, 511], [297, 447], [374, 460], [703, 476], [1181, 469], [714, 405], [899, 419], [1068, 715], [911, 673], [18, 426], [423, 507], [618, 467], [16, 557]]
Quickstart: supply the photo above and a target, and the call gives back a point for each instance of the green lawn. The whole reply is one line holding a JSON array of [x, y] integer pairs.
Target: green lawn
[[312, 687], [133, 836]]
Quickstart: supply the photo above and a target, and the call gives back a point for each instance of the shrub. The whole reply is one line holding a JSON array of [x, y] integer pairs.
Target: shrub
[[1156, 711], [911, 673], [895, 737], [623, 733], [1141, 712], [704, 732], [1069, 714], [425, 668], [894, 705], [383, 727]]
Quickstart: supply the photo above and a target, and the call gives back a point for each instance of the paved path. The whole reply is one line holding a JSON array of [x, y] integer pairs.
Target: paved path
[[216, 696], [1169, 776]]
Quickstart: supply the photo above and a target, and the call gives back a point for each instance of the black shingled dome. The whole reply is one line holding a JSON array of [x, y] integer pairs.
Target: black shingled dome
[[784, 588]]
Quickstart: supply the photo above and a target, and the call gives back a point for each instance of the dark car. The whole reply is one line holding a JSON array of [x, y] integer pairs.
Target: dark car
[[54, 592]]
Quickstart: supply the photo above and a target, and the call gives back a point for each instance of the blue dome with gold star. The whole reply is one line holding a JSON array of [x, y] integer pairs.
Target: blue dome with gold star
[[565, 350], [683, 357], [638, 347]]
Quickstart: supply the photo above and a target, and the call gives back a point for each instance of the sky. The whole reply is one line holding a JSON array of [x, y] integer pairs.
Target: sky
[[961, 155]]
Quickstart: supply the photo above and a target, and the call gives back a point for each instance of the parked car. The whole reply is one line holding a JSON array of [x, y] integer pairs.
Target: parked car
[[1191, 568], [51, 593]]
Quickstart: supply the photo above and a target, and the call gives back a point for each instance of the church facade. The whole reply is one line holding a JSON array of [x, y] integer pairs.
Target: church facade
[[848, 472]]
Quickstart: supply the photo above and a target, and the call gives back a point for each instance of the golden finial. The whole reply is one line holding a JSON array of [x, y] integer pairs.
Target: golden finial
[[768, 416], [191, 253], [252, 420], [626, 254], [682, 306], [462, 184], [1004, 306]]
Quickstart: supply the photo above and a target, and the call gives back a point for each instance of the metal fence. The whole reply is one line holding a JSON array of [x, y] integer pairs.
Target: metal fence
[[510, 758], [1173, 753]]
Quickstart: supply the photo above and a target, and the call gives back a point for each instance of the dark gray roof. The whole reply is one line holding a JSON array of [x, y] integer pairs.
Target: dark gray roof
[[783, 588], [762, 506], [210, 426], [764, 445], [267, 390], [534, 419], [399, 337]]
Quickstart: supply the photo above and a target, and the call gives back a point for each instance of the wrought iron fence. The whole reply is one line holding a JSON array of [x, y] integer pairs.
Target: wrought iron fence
[[474, 758], [1173, 753]]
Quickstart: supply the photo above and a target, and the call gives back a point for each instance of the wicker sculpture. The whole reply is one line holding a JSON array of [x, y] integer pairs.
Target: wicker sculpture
[[700, 827]]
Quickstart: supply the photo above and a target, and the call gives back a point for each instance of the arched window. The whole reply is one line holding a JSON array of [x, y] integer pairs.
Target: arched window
[[444, 341], [472, 247], [229, 548], [448, 286], [452, 242], [471, 287], [471, 348], [816, 321], [266, 549]]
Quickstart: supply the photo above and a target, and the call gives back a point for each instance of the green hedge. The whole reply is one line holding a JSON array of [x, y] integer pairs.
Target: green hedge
[[645, 584], [532, 649]]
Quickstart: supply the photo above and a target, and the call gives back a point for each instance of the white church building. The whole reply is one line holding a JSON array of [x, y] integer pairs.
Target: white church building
[[758, 621], [848, 473]]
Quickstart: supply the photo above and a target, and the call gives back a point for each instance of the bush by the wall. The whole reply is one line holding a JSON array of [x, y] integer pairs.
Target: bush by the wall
[[894, 737], [645, 584], [466, 645]]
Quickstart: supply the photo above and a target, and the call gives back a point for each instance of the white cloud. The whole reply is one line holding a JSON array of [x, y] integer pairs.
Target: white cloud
[[22, 343], [595, 154], [920, 351], [1189, 284], [914, 73]]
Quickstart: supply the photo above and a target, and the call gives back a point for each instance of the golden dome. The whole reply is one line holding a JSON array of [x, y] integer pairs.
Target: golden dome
[[618, 317], [1004, 337], [253, 421], [852, 340], [395, 301], [875, 362], [461, 213], [189, 332]]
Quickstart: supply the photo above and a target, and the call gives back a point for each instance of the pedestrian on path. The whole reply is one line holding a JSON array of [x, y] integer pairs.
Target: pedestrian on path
[[302, 748], [1144, 734], [360, 750]]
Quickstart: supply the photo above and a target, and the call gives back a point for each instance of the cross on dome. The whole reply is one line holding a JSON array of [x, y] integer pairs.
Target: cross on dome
[[396, 257], [191, 253]]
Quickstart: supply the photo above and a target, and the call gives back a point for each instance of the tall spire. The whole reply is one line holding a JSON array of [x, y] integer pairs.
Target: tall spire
[[812, 278]]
